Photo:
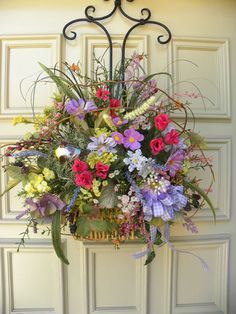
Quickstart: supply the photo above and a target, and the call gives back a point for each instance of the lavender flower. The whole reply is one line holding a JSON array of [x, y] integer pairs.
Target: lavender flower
[[175, 162], [46, 205], [101, 144], [162, 199], [79, 107]]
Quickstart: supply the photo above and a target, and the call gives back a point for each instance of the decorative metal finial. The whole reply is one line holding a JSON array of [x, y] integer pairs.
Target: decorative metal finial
[[146, 15]]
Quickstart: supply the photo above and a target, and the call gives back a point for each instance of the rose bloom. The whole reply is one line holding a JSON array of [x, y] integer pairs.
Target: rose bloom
[[101, 170], [172, 137], [79, 165], [84, 179], [157, 145], [114, 103], [103, 94], [161, 121]]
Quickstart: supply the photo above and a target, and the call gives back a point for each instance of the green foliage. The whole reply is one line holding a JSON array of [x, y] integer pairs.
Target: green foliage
[[196, 188], [150, 257], [108, 198], [56, 237]]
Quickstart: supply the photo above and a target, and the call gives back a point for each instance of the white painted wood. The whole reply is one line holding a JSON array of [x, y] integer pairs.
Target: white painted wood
[[204, 32], [95, 46], [205, 63], [19, 61]]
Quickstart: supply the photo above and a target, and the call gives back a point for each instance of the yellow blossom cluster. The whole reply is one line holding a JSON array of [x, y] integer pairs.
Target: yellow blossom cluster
[[106, 157], [37, 184], [21, 119]]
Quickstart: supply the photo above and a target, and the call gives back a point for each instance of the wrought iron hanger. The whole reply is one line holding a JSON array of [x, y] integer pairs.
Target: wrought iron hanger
[[97, 20]]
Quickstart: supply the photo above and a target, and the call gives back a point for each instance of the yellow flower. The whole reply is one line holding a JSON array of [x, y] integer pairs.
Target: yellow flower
[[29, 189], [42, 187], [95, 187], [106, 157], [100, 131], [84, 195], [20, 119], [105, 183], [35, 178], [48, 174]]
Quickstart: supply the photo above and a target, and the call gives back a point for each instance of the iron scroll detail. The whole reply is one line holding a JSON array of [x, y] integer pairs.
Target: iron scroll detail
[[144, 20]]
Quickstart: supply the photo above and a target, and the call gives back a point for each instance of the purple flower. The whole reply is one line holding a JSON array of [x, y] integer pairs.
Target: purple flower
[[46, 205], [175, 162], [118, 122], [118, 137], [102, 144], [132, 139], [162, 201], [79, 107]]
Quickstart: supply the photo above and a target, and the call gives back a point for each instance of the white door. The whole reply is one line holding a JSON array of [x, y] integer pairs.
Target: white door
[[99, 278]]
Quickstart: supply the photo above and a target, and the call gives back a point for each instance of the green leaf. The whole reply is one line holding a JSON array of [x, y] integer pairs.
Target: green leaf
[[59, 82], [83, 227], [150, 257], [56, 237], [108, 198], [158, 222], [196, 188], [14, 172], [99, 225], [10, 185], [196, 139]]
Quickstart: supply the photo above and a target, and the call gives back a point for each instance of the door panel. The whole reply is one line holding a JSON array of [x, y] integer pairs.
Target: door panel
[[99, 278]]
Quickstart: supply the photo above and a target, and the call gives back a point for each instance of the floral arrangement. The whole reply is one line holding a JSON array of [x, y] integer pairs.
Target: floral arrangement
[[108, 157]]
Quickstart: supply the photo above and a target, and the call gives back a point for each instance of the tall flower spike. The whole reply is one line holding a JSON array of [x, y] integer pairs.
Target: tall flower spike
[[142, 109]]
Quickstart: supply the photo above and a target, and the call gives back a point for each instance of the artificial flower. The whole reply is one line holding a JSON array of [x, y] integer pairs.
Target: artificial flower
[[114, 103], [172, 137], [103, 94], [84, 179], [101, 144], [118, 137], [79, 165], [132, 139], [79, 107], [157, 145], [161, 121], [101, 170]]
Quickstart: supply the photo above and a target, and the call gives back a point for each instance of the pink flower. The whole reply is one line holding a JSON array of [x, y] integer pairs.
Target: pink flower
[[84, 179], [101, 170], [157, 145], [103, 93], [114, 103], [172, 137], [161, 121], [79, 165], [118, 137]]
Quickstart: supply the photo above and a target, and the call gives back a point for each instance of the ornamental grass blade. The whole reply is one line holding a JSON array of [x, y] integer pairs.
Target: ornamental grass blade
[[59, 82], [56, 237], [10, 185], [196, 188]]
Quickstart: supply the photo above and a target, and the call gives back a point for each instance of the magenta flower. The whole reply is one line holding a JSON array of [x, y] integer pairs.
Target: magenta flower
[[79, 107], [132, 139], [118, 137]]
